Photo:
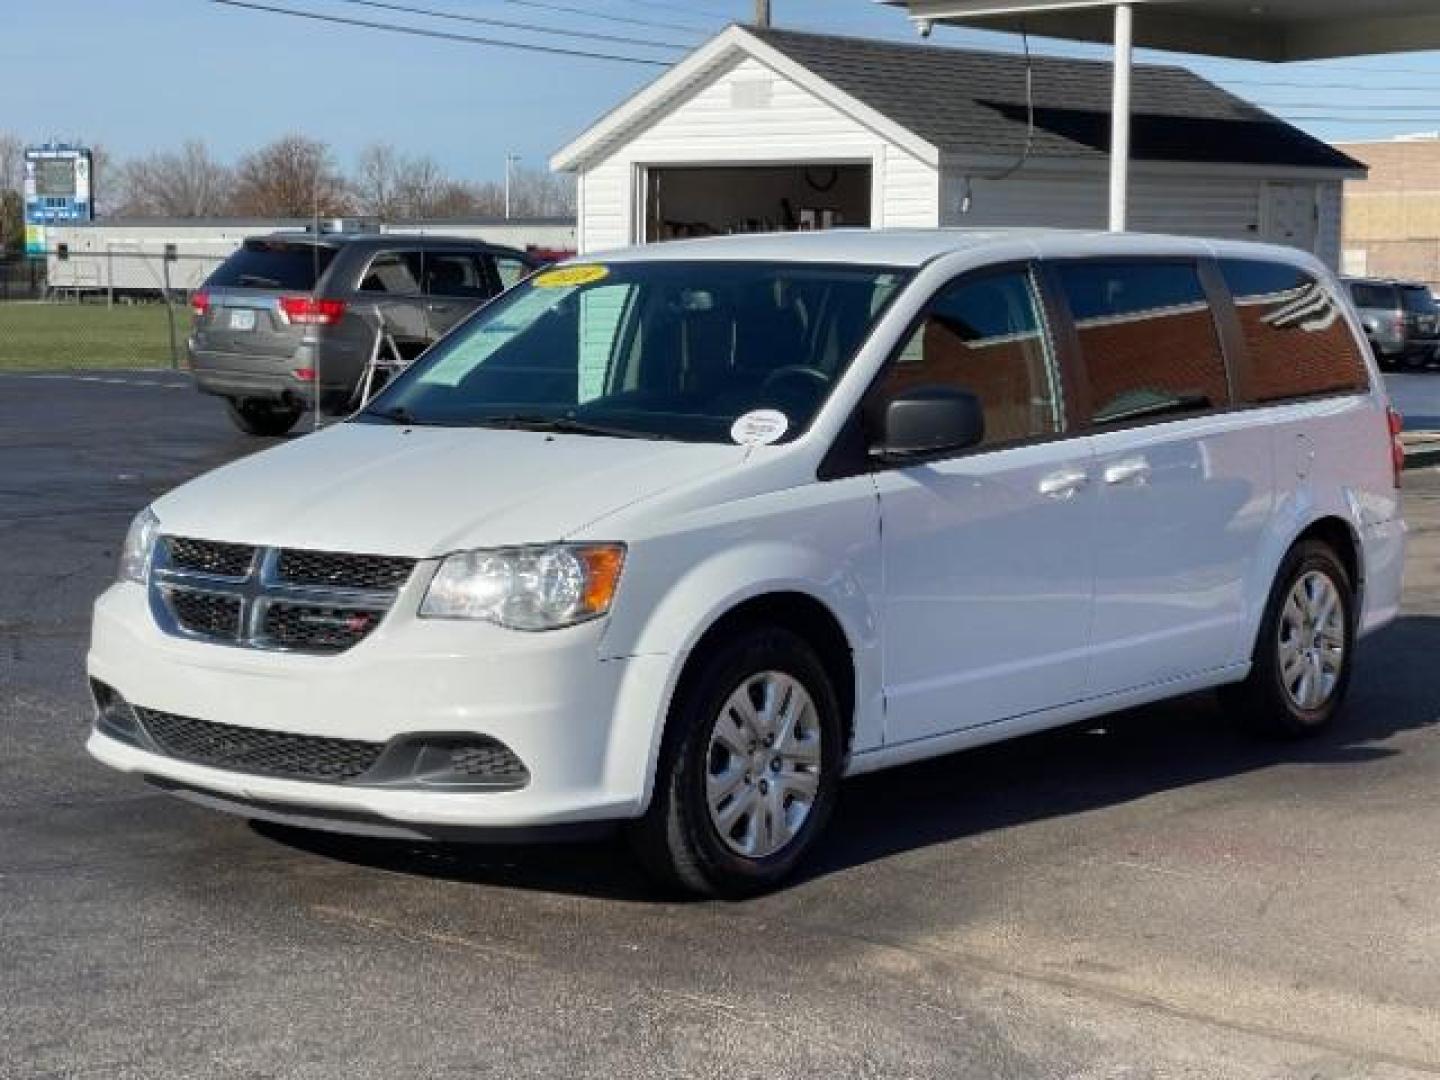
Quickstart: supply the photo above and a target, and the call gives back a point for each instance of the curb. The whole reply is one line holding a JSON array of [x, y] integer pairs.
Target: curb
[[1422, 448]]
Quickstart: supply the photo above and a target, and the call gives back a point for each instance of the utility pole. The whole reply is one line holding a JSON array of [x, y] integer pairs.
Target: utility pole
[[510, 160], [762, 12]]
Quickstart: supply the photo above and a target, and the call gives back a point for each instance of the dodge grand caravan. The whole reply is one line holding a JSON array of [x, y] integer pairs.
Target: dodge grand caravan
[[679, 537]]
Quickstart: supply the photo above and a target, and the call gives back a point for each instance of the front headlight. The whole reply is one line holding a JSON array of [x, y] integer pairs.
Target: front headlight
[[139, 545], [527, 588]]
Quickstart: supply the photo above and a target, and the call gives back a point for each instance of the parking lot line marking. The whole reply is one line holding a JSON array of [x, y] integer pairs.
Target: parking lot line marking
[[108, 380], [417, 935], [1136, 1000]]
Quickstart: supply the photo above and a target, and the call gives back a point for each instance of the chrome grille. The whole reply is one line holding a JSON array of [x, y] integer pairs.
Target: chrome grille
[[207, 613], [209, 556], [272, 598], [252, 750], [350, 571], [310, 626]]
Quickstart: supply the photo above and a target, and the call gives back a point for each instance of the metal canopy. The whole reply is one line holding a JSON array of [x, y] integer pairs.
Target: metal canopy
[[1276, 30]]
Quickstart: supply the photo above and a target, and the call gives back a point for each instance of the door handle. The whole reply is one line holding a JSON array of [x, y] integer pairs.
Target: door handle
[[1064, 484], [1134, 471]]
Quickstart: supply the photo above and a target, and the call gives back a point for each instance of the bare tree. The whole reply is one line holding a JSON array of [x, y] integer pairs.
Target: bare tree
[[12, 182], [12, 162], [291, 177], [391, 185], [536, 193], [187, 184]]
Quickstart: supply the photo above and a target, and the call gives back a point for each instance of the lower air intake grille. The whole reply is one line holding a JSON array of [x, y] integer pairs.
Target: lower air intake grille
[[251, 750], [489, 759]]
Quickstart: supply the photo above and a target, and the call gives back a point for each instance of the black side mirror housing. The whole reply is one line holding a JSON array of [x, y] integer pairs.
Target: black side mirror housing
[[928, 422]]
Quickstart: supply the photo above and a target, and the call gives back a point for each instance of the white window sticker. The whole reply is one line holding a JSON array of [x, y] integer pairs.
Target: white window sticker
[[759, 428]]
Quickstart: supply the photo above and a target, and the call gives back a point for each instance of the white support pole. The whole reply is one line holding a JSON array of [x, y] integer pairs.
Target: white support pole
[[1120, 118]]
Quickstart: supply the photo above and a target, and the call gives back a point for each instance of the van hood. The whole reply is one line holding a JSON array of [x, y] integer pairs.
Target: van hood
[[426, 491]]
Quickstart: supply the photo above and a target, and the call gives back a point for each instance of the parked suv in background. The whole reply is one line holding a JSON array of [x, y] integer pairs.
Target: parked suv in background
[[293, 317], [681, 536], [1401, 319]]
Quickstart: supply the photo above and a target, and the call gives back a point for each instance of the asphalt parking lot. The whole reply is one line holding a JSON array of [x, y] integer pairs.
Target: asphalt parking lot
[[1158, 896]]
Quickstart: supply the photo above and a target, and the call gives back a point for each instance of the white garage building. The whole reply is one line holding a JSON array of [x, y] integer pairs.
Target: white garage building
[[764, 129]]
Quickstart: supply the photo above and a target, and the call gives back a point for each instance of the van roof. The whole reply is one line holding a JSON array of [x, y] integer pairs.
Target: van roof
[[915, 247]]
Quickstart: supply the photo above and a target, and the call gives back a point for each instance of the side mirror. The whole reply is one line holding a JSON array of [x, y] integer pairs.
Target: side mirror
[[929, 421]]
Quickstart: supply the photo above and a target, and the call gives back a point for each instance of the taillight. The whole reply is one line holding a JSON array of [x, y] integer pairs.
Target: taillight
[[1397, 448], [307, 311], [200, 303]]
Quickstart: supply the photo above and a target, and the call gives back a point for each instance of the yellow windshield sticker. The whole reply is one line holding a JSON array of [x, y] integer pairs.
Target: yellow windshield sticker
[[564, 277]]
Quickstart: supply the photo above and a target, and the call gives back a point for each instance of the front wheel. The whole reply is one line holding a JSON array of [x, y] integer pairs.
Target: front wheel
[[1300, 671], [258, 417], [749, 769]]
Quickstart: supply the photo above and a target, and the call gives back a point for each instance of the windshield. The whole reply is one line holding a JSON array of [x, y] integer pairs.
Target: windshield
[[678, 350], [1417, 300]]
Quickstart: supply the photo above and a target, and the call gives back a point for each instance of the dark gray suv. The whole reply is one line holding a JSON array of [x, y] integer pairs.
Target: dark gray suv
[[1400, 318], [293, 320]]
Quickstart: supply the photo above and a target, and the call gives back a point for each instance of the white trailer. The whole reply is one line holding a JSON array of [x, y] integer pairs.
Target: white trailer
[[133, 259]]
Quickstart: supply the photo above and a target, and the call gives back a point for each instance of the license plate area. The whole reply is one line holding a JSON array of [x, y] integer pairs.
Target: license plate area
[[242, 319]]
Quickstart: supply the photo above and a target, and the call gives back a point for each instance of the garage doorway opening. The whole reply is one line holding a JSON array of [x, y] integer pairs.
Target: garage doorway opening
[[683, 202]]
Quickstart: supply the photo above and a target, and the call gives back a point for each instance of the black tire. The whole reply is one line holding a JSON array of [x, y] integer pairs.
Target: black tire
[[255, 416], [678, 840], [1264, 700]]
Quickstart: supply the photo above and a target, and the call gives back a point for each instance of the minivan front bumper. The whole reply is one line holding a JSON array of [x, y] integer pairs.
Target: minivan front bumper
[[548, 697]]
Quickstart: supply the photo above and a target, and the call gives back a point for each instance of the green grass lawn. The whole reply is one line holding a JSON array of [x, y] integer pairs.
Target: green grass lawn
[[49, 337]]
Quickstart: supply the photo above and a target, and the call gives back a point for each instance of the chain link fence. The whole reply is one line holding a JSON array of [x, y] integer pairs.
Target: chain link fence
[[113, 308]]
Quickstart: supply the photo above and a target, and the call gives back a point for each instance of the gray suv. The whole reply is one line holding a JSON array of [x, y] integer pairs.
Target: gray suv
[[1400, 318], [293, 320]]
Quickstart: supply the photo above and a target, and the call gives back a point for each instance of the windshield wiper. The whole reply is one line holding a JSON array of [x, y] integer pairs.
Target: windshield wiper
[[258, 281], [564, 425], [396, 414]]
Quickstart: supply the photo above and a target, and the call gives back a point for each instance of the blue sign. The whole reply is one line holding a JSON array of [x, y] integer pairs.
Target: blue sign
[[59, 188]]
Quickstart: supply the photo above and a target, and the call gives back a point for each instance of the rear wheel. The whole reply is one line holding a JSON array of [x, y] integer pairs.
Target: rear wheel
[[749, 769], [255, 416], [1300, 671]]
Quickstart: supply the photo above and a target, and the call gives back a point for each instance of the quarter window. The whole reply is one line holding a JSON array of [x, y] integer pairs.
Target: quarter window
[[394, 272], [984, 336], [1147, 339], [509, 270], [1297, 340]]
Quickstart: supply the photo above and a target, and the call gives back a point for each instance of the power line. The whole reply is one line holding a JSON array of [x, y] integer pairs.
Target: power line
[[546, 5], [590, 35], [699, 9], [442, 35]]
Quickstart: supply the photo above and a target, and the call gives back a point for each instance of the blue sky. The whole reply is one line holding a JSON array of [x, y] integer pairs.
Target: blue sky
[[137, 75]]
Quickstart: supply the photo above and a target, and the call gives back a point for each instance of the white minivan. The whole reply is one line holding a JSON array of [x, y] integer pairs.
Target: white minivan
[[680, 536]]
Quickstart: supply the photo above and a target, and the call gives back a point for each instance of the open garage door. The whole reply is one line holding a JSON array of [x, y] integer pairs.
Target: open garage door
[[718, 200]]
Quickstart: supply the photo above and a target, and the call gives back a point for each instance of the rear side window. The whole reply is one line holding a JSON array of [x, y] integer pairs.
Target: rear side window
[[984, 336], [1373, 296], [273, 264], [1296, 338], [1417, 299], [1147, 339], [455, 273]]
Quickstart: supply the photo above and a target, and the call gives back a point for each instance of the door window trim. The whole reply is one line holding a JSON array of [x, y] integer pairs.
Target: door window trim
[[849, 453], [1074, 364]]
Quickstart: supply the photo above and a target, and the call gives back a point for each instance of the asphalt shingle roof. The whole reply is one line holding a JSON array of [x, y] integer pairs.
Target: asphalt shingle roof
[[969, 101]]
